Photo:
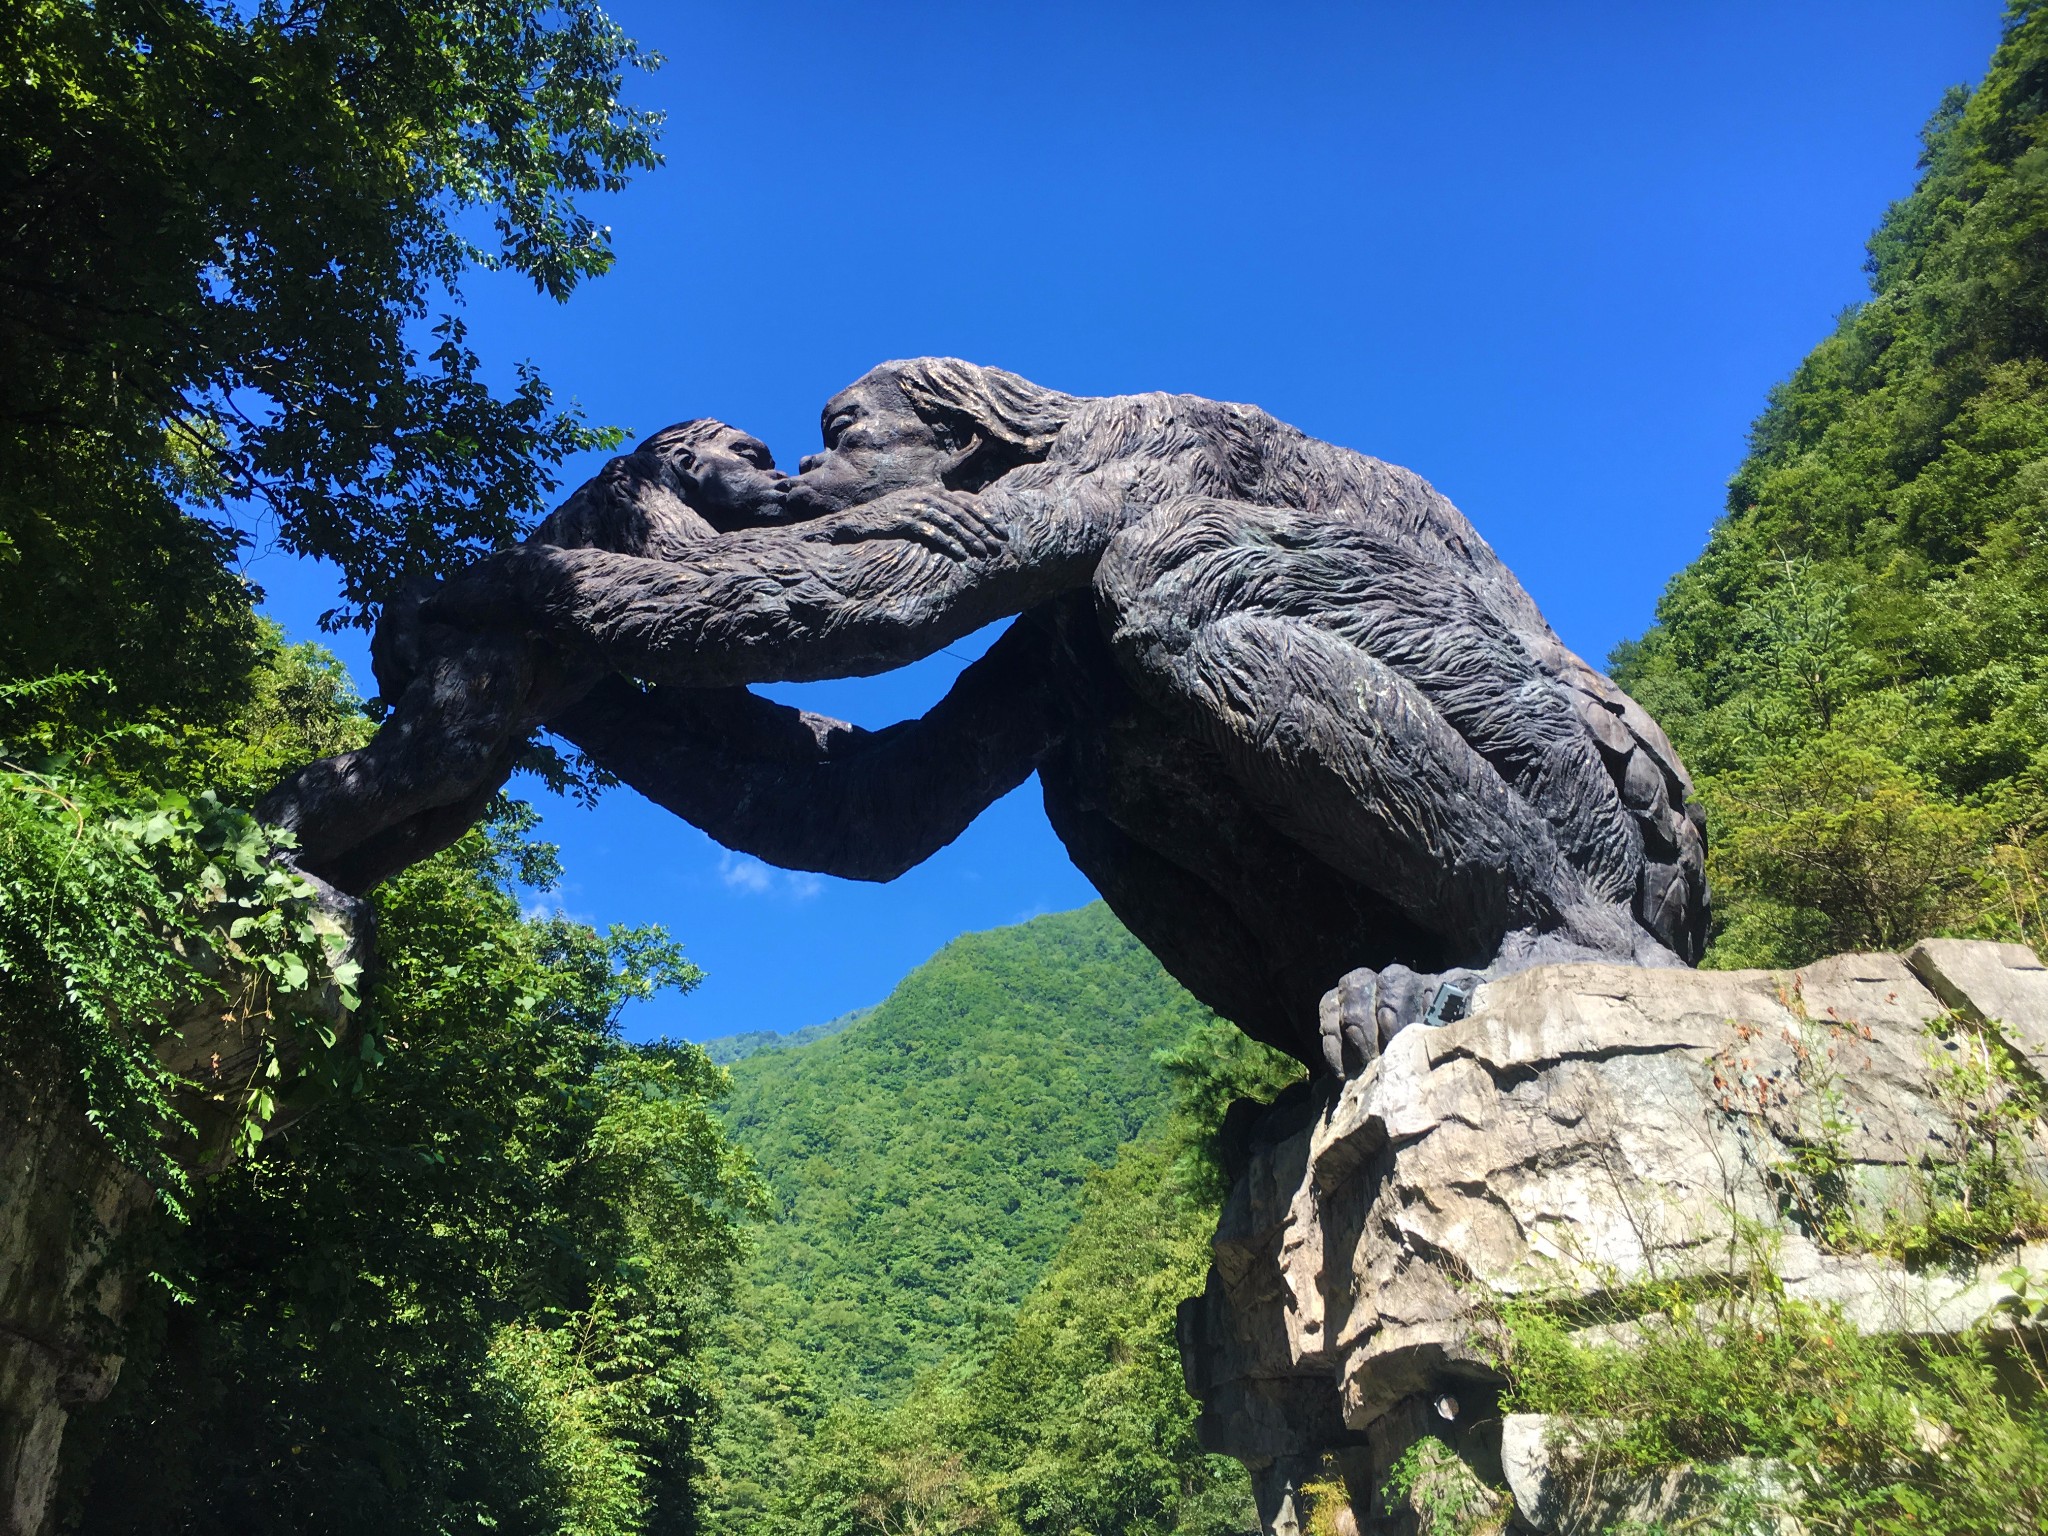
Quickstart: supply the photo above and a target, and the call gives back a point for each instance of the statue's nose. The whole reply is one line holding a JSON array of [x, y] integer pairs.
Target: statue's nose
[[809, 462]]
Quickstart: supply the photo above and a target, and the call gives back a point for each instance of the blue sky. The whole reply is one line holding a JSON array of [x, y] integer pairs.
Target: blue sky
[[1549, 256]]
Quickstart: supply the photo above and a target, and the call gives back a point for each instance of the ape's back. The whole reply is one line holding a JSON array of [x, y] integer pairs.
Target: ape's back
[[1153, 449]]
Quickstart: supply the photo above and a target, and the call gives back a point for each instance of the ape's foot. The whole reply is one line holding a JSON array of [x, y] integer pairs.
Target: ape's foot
[[1368, 1008]]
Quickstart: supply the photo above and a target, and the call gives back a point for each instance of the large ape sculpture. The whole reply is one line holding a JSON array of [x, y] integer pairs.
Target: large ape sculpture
[[1291, 714]]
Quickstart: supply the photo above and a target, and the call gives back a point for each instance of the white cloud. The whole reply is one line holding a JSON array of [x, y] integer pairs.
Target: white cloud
[[542, 908], [745, 874], [750, 877]]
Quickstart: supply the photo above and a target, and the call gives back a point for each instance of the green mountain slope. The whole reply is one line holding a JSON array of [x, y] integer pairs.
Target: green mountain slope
[[1077, 1420], [990, 1193], [927, 1162], [727, 1049], [1857, 666]]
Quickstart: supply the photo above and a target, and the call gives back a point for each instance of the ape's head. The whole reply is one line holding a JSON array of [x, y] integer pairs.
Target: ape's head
[[726, 476], [928, 421], [684, 484]]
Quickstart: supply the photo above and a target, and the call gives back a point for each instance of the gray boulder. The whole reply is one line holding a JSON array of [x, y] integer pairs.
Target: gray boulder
[[1585, 1128]]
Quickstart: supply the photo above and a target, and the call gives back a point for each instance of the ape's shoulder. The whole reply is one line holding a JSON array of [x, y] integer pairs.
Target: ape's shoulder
[[1159, 428]]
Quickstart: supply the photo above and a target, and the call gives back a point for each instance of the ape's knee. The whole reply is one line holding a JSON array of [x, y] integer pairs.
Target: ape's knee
[[1146, 565]]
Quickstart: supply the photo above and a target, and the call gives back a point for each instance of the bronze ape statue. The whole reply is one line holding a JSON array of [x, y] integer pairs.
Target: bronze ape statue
[[1292, 716], [467, 700]]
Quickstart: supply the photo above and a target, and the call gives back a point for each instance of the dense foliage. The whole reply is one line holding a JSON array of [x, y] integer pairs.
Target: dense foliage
[[1857, 666], [727, 1049], [230, 229], [1065, 1413], [927, 1162], [1946, 1435], [1076, 1421], [467, 1292], [108, 918], [466, 1296]]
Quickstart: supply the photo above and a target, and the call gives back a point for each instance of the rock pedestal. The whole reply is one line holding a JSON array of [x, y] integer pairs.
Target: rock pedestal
[[1585, 1128]]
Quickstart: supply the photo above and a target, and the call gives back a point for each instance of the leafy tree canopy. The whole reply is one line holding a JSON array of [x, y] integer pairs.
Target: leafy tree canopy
[[928, 1160], [1857, 665], [235, 241], [1067, 1415], [467, 1292], [990, 1193]]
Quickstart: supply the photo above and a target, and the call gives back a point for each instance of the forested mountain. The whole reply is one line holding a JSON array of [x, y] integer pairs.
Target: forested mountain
[[926, 1163], [727, 1049], [928, 1167], [1857, 666]]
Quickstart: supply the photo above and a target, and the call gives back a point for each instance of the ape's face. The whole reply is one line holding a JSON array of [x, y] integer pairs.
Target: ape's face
[[729, 479], [874, 444]]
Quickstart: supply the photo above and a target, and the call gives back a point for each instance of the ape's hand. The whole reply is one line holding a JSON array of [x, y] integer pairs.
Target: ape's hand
[[949, 522]]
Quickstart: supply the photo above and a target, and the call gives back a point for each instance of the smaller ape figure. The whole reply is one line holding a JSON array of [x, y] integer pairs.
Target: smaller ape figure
[[466, 699]]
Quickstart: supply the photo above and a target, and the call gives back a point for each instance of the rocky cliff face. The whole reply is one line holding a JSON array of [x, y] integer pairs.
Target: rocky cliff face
[[1584, 1128], [64, 1203], [67, 1204]]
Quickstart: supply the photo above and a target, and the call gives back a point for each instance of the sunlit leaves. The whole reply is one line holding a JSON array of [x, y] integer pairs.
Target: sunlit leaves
[[238, 237], [468, 1296], [113, 919], [1857, 665]]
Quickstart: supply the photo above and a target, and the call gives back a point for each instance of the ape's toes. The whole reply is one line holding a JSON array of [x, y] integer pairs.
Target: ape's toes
[[1350, 1042], [1367, 1009]]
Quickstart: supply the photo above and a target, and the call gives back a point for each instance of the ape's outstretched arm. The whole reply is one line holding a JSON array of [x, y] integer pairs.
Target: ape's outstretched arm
[[431, 769], [848, 595], [805, 792]]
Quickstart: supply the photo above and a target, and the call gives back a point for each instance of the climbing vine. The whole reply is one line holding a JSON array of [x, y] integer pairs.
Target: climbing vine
[[118, 919]]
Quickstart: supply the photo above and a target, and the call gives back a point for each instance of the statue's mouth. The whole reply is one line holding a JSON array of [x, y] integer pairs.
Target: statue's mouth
[[808, 498]]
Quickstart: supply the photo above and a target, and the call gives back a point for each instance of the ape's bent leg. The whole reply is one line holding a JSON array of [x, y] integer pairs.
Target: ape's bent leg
[[804, 792], [1351, 760], [1431, 623], [1340, 749]]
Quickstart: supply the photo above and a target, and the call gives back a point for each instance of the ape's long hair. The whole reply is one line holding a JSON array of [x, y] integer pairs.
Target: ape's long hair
[[636, 504], [995, 420]]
